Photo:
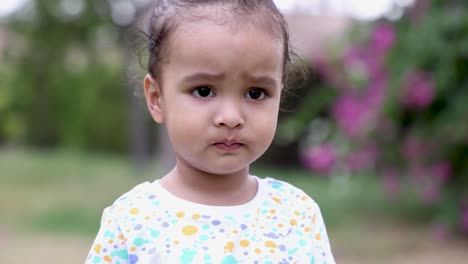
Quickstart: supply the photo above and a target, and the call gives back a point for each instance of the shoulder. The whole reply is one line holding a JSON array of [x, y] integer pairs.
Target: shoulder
[[134, 202], [287, 194]]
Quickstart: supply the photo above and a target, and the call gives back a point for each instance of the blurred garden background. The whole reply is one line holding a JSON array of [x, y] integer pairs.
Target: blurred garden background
[[377, 134]]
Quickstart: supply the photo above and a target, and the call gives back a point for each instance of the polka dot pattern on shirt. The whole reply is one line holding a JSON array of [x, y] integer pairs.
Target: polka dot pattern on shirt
[[149, 225]]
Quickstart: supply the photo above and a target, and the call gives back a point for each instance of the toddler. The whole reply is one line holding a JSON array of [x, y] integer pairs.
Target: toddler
[[215, 77]]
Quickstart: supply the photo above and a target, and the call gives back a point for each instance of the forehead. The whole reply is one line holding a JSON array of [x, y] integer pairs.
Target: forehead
[[211, 46], [236, 16]]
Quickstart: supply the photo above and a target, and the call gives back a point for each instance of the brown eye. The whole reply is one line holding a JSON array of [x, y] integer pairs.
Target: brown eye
[[256, 94], [203, 92]]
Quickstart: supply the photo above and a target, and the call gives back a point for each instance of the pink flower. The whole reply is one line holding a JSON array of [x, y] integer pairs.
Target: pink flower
[[418, 92], [352, 57], [355, 113], [373, 56], [320, 158], [376, 92], [383, 37], [368, 60], [352, 115], [442, 171]]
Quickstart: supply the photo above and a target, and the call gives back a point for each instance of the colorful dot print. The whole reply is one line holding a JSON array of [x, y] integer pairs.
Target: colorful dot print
[[150, 225]]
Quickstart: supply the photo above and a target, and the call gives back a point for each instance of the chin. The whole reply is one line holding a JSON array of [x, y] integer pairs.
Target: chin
[[225, 170], [224, 166]]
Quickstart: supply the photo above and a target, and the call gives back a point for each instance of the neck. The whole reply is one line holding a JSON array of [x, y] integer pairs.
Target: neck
[[198, 186]]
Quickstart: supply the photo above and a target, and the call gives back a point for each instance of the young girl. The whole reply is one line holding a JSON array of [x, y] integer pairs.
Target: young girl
[[215, 78]]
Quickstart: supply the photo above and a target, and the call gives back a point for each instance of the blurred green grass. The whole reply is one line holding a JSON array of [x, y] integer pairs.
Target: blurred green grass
[[61, 191], [65, 192]]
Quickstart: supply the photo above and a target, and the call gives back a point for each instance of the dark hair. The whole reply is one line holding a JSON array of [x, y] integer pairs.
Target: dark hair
[[166, 15]]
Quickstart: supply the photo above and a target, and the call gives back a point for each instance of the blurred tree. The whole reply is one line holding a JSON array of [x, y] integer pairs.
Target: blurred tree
[[66, 79], [398, 110], [66, 84]]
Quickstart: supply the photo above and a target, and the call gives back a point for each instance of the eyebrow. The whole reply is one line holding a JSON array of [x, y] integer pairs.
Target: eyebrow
[[264, 80], [204, 76]]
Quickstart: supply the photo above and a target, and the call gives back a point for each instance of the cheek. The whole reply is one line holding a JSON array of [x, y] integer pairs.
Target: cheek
[[266, 125], [272, 129], [177, 122]]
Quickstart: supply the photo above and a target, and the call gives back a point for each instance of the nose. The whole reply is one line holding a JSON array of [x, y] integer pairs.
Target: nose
[[229, 115]]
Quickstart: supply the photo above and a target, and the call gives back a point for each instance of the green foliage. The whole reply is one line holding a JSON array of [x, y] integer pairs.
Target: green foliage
[[399, 110], [437, 44], [64, 81]]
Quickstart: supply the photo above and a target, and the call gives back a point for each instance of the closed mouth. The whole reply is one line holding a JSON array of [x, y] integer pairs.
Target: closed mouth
[[228, 141], [228, 145]]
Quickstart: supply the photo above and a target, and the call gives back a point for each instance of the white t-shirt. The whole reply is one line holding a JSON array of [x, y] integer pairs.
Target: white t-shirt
[[281, 224]]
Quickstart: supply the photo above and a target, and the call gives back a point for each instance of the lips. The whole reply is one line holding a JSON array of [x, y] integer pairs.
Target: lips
[[228, 145]]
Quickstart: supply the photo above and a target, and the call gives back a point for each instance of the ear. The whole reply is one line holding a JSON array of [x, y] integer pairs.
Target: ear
[[153, 98]]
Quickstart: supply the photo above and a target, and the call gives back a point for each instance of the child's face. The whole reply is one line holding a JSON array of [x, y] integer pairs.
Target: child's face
[[219, 95]]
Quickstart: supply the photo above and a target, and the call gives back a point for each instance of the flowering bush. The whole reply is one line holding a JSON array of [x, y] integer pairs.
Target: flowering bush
[[400, 109]]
